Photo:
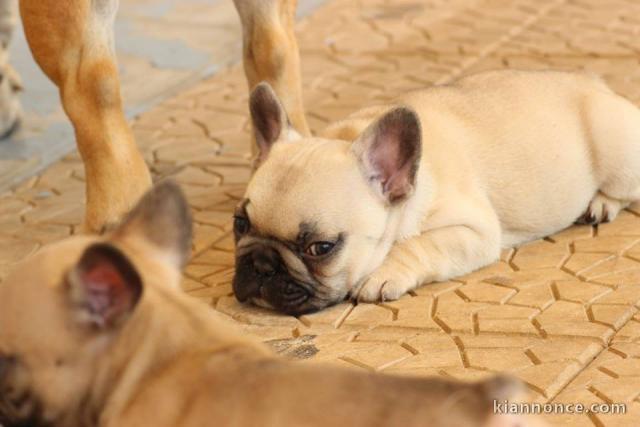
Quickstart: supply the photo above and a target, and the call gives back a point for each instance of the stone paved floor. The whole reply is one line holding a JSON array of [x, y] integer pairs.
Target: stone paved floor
[[560, 313], [163, 46]]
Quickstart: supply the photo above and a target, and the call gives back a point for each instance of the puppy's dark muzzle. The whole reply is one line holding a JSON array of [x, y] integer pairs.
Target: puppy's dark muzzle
[[264, 264], [17, 408], [6, 363], [262, 274], [287, 296], [4, 366]]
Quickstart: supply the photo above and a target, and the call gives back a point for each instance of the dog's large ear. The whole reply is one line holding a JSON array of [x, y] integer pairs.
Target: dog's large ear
[[163, 219], [104, 287], [269, 119], [389, 153]]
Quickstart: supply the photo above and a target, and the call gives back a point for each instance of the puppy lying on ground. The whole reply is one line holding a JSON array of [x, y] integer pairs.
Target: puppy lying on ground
[[429, 188], [95, 332]]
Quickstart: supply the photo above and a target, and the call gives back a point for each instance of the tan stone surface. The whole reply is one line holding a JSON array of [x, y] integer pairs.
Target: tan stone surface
[[561, 313]]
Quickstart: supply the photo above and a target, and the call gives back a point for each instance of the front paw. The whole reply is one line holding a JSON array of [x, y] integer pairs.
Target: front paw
[[112, 192], [385, 284]]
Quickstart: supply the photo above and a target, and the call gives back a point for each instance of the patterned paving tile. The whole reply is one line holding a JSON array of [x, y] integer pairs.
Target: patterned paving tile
[[561, 313]]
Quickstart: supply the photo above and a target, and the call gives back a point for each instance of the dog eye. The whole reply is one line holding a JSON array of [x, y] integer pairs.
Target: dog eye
[[319, 248], [240, 224]]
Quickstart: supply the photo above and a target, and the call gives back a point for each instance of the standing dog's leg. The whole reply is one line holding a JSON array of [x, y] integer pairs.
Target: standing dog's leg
[[10, 111], [271, 52], [72, 41]]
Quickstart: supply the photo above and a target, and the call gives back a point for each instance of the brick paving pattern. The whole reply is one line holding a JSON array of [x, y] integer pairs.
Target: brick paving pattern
[[562, 313]]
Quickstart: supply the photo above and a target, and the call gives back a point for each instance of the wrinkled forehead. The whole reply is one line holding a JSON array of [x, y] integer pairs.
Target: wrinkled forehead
[[289, 224], [298, 186], [299, 210]]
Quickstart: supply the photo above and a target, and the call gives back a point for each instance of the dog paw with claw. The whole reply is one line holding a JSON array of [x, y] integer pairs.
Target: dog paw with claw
[[601, 209], [10, 109], [387, 283], [114, 186]]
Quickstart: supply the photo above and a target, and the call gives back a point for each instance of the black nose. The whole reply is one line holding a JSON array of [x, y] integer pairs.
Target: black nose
[[263, 268], [265, 262]]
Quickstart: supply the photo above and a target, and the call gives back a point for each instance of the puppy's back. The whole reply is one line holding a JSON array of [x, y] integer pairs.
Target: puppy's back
[[243, 390]]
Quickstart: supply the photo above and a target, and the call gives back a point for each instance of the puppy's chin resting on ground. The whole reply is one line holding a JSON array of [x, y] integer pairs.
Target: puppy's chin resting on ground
[[94, 331]]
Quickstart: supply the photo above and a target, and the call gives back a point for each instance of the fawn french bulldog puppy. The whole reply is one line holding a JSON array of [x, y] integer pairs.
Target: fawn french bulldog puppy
[[94, 332], [430, 187]]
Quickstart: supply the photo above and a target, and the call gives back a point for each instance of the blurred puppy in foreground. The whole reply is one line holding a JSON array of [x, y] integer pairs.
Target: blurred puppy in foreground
[[94, 331]]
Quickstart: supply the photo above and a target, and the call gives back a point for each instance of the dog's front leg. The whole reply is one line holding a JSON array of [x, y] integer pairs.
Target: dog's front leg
[[436, 255], [72, 41], [10, 110], [270, 52], [8, 18]]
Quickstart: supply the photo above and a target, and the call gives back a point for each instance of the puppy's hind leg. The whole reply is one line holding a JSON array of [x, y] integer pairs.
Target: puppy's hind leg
[[270, 52], [615, 126], [72, 41], [602, 209]]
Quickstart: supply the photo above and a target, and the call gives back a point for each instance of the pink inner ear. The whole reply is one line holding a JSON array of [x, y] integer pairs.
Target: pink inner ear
[[391, 150], [107, 293], [390, 167], [398, 185], [386, 158]]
